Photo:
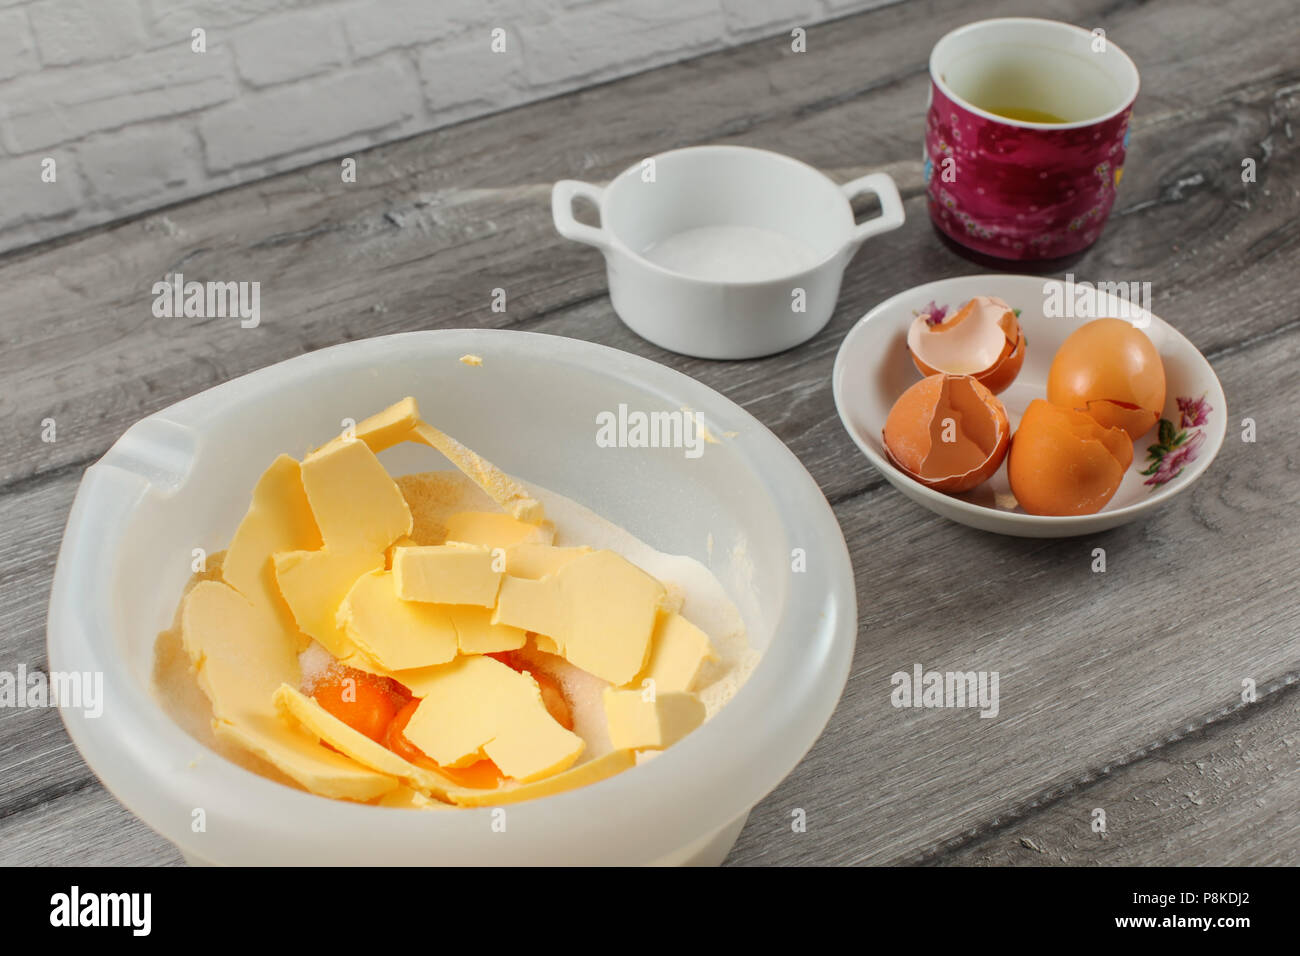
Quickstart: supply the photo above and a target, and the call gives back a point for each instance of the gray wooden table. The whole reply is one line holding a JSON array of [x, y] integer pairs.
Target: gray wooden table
[[1120, 691]]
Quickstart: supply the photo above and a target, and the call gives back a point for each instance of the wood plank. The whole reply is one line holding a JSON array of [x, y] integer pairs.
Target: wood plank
[[1224, 796], [86, 827]]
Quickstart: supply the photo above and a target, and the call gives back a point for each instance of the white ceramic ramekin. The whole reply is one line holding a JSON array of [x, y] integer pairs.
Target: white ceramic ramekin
[[712, 186], [180, 479]]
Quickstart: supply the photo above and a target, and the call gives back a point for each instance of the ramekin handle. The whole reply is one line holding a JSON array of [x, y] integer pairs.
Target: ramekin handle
[[562, 195], [891, 206]]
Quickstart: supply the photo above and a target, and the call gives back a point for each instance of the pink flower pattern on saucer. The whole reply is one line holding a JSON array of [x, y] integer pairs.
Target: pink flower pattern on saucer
[[1177, 447]]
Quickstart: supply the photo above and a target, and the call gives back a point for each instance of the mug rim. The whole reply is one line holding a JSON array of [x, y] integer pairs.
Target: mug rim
[[617, 241], [1126, 102]]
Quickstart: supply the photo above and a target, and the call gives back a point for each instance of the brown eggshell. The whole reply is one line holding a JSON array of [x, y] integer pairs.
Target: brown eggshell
[[941, 406], [1112, 371], [1003, 371], [1062, 462]]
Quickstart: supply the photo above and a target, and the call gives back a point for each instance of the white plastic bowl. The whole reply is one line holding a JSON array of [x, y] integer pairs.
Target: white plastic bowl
[[180, 479]]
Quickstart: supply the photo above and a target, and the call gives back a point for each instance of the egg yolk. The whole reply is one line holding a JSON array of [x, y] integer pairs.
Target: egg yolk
[[365, 702]]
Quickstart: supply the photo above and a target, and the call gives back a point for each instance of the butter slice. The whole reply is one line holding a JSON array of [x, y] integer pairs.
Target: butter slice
[[241, 654], [446, 574], [239, 651], [394, 633], [323, 772], [405, 798], [677, 652], [639, 724], [536, 606], [405, 541], [495, 529], [314, 583], [500, 487], [593, 771], [476, 634], [385, 429], [535, 561], [599, 612], [320, 723], [357, 506], [477, 706], [278, 519]]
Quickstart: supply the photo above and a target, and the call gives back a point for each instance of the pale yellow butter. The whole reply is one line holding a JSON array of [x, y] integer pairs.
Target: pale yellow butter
[[394, 633], [678, 650], [314, 583], [323, 772], [320, 723], [241, 654], [357, 506], [535, 561], [593, 771], [476, 634], [636, 723], [447, 574], [279, 519], [496, 529], [394, 424], [598, 610], [405, 798], [475, 707]]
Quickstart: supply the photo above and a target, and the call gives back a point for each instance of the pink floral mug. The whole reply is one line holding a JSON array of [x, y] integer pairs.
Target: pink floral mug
[[1025, 136]]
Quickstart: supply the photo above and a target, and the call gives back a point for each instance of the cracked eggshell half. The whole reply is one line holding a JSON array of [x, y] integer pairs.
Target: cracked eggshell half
[[1062, 462], [948, 432], [1110, 370], [982, 339]]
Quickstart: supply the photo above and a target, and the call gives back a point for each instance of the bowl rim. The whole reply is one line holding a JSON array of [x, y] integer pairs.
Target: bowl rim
[[1069, 524], [747, 748], [764, 155]]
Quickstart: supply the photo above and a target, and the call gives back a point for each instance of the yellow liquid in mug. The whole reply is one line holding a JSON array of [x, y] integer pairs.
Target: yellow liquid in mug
[[1026, 114]]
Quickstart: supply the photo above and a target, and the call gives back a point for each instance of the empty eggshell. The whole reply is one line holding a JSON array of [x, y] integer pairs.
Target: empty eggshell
[[948, 432], [982, 339], [1112, 371], [1062, 462]]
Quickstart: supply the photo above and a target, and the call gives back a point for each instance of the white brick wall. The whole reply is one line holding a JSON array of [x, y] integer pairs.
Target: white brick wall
[[134, 118]]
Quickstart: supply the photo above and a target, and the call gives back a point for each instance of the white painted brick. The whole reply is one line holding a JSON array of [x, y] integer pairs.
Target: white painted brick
[[469, 72], [25, 198], [57, 106], [840, 7], [743, 16], [381, 25], [133, 164], [17, 47], [618, 36], [288, 49], [82, 31], [134, 130], [179, 17], [263, 125]]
